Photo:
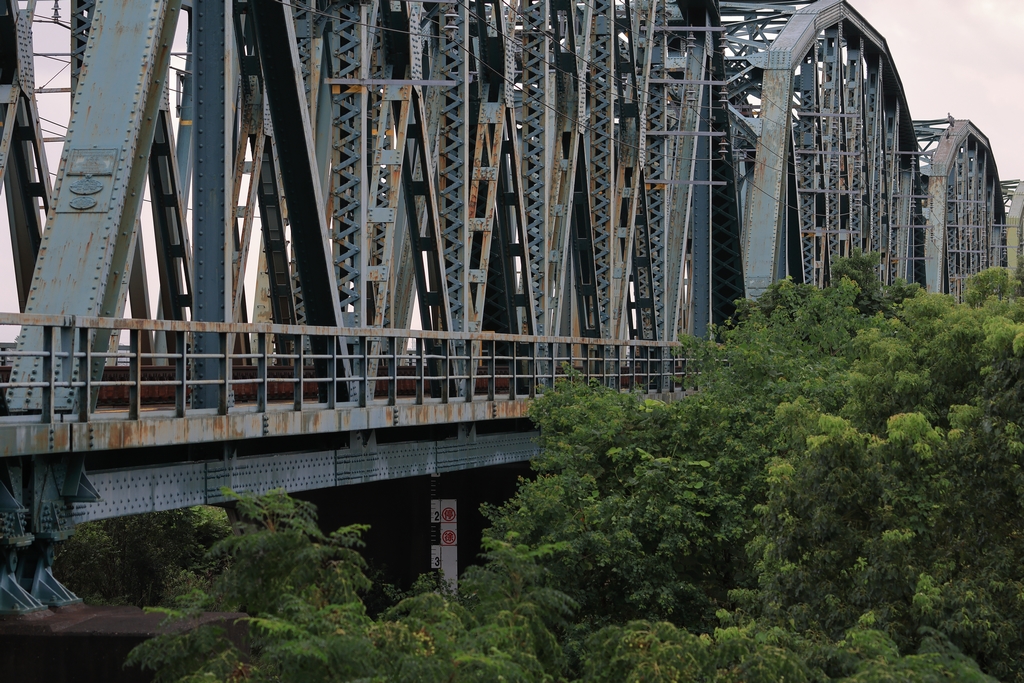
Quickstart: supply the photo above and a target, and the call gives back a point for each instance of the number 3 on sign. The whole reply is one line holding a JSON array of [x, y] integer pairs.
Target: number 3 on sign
[[435, 557]]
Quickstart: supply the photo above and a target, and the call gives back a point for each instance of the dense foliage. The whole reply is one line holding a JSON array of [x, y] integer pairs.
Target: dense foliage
[[143, 560], [839, 499]]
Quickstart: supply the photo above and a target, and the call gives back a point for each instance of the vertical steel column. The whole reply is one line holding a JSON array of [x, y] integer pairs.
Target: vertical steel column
[[807, 161], [679, 243], [569, 234], [538, 146], [212, 46], [508, 291], [658, 98], [893, 175], [831, 138], [391, 124], [81, 18], [631, 244], [700, 278], [853, 122], [454, 166], [669, 161], [605, 190], [767, 209], [490, 105], [875, 239], [726, 253], [350, 43], [1013, 227]]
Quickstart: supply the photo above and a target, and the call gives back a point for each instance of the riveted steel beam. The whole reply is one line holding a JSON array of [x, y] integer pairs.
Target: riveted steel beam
[[214, 69], [453, 169], [282, 72], [85, 252], [134, 490], [539, 143], [350, 45]]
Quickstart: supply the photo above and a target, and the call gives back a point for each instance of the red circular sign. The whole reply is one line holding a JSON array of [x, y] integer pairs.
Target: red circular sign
[[448, 537], [448, 515]]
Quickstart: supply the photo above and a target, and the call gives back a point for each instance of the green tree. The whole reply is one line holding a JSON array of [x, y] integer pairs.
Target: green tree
[[301, 589], [144, 560], [847, 455], [840, 499]]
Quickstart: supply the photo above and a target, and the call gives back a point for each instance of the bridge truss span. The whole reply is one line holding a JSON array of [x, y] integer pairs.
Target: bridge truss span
[[967, 216], [359, 216], [829, 159], [280, 230]]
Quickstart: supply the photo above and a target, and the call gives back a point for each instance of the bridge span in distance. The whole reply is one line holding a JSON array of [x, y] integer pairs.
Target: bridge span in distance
[[310, 244]]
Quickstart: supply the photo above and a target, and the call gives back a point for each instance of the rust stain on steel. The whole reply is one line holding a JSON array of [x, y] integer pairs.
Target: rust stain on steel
[[114, 434], [161, 431], [108, 428], [34, 439]]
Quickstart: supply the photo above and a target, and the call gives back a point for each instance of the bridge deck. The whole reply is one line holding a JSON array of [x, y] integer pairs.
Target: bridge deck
[[74, 396], [374, 404]]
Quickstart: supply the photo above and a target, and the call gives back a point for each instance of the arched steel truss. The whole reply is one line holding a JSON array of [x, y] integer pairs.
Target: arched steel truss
[[827, 154], [603, 168], [600, 168], [965, 211]]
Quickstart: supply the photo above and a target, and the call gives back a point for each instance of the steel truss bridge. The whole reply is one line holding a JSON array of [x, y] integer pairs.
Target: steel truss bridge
[[377, 229]]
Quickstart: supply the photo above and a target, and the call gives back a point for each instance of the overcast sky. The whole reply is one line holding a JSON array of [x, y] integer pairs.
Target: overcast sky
[[962, 57]]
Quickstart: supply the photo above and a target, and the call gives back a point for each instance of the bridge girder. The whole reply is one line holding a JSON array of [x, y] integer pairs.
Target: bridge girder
[[827, 150]]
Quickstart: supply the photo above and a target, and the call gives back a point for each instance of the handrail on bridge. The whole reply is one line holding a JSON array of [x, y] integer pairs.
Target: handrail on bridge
[[83, 373]]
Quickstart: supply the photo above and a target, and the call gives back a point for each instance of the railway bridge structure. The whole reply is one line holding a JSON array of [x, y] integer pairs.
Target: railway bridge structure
[[302, 244]]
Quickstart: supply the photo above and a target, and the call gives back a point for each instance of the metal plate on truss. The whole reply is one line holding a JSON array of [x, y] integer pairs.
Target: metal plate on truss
[[178, 485]]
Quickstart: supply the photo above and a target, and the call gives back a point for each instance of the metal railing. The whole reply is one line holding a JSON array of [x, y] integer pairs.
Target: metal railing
[[89, 369]]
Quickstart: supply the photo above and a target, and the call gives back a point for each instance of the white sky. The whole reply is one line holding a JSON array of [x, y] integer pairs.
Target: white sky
[[962, 57]]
